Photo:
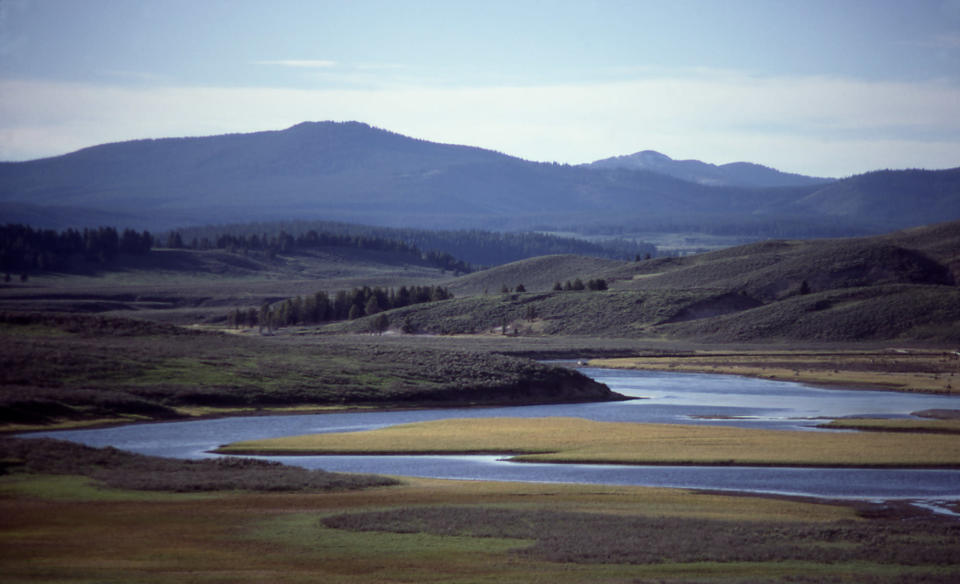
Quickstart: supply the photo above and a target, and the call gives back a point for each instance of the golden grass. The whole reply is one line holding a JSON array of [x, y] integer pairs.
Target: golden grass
[[584, 441], [913, 370], [69, 424]]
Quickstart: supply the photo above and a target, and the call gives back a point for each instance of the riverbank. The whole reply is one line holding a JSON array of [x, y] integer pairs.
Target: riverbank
[[910, 370], [71, 369]]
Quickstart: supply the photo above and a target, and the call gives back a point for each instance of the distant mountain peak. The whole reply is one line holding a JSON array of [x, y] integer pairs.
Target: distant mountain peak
[[308, 125], [742, 174], [645, 159], [651, 155]]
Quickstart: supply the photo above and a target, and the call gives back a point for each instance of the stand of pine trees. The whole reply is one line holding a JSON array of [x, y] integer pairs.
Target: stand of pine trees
[[24, 249], [344, 305], [578, 285]]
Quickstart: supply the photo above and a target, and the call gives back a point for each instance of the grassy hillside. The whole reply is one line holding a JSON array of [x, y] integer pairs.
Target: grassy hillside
[[775, 270], [536, 274], [900, 286], [940, 242]]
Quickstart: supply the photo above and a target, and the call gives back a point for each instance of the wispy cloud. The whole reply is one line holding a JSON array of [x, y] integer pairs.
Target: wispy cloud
[[299, 63]]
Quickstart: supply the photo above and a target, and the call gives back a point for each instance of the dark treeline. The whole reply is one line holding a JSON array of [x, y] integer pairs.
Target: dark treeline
[[476, 247], [344, 305], [24, 249], [496, 248], [267, 239], [578, 285]]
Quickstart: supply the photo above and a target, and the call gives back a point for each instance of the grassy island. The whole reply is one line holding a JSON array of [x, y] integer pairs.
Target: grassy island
[[577, 440]]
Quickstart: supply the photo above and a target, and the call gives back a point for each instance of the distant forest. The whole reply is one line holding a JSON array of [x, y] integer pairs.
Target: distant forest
[[24, 249], [478, 248], [274, 242]]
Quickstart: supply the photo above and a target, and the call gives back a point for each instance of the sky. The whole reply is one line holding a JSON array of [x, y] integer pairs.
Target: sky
[[824, 88]]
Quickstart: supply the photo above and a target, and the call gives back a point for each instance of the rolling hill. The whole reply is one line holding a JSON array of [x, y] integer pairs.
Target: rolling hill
[[355, 173], [900, 286]]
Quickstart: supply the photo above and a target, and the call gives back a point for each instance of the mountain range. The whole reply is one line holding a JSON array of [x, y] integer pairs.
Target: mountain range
[[738, 174], [353, 172]]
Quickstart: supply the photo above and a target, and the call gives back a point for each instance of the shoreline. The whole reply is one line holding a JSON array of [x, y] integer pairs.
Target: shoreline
[[707, 362], [292, 411], [908, 371], [517, 457]]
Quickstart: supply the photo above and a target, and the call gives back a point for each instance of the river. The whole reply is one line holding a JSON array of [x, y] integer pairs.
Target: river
[[662, 397]]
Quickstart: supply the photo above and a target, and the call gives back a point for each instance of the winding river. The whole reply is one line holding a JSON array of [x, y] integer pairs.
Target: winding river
[[683, 398]]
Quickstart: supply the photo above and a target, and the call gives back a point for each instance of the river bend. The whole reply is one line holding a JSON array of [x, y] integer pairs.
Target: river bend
[[663, 397]]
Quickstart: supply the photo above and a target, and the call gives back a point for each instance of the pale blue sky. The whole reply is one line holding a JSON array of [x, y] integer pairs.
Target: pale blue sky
[[819, 87]]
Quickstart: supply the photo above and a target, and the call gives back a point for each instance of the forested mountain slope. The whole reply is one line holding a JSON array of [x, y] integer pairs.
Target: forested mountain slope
[[744, 174], [353, 172]]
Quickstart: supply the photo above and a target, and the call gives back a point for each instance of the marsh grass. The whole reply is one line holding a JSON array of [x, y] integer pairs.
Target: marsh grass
[[590, 538], [583, 441], [491, 532], [117, 469]]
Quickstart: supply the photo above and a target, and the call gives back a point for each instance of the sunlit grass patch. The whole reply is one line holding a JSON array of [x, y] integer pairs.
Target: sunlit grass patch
[[69, 424], [308, 531], [584, 441]]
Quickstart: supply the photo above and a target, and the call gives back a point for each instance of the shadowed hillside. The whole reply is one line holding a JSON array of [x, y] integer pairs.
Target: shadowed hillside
[[535, 274], [778, 269], [887, 196], [898, 286]]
